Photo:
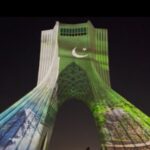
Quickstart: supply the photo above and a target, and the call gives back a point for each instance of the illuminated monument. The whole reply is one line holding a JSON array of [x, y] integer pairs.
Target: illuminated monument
[[74, 64]]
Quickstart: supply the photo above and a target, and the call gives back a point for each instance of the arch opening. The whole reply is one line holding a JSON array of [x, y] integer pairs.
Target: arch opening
[[75, 128]]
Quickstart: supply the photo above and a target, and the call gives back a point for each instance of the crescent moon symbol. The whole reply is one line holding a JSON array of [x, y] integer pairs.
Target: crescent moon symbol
[[74, 53]]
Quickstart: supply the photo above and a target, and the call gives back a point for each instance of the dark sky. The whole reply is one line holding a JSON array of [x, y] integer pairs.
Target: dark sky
[[129, 54]]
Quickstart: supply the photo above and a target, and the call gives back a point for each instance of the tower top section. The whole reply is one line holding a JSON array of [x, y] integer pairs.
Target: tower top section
[[77, 42]]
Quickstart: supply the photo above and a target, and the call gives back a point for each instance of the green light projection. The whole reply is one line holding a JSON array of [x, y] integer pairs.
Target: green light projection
[[74, 64]]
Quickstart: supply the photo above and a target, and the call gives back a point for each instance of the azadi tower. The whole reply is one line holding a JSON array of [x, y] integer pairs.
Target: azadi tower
[[74, 64]]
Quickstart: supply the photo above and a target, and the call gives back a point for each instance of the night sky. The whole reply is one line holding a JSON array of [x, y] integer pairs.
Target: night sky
[[129, 55]]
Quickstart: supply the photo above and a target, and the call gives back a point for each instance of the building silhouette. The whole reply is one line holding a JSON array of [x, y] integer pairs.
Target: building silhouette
[[74, 64]]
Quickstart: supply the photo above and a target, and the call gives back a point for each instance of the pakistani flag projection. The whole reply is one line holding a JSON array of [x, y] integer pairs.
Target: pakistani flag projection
[[74, 64]]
